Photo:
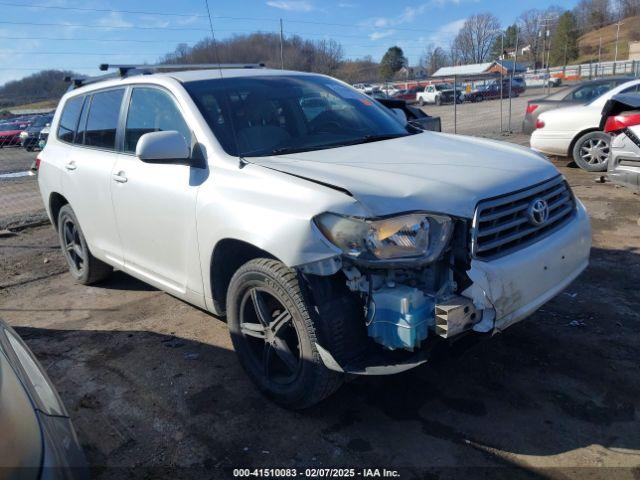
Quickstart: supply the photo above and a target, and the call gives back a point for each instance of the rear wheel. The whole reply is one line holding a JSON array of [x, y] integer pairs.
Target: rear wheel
[[421, 102], [83, 266], [274, 332], [438, 100], [591, 151]]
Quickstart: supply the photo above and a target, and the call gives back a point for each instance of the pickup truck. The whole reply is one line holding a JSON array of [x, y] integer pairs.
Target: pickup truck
[[438, 94]]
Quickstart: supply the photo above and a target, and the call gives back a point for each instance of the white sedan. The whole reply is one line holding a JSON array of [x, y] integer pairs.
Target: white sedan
[[574, 131]]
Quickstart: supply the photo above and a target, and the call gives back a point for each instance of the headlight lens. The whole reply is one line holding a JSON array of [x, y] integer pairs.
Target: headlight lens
[[418, 236]]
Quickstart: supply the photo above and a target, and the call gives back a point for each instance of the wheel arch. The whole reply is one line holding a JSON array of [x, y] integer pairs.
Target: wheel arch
[[229, 254], [56, 202]]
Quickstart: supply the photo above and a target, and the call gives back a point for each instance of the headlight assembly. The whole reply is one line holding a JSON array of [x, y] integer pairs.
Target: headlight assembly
[[409, 238]]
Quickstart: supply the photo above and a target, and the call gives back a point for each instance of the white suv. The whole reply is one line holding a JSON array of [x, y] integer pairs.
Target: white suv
[[335, 238]]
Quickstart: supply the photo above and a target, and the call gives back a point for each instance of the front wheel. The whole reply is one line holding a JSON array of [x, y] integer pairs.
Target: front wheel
[[274, 333], [83, 266], [591, 151], [438, 100]]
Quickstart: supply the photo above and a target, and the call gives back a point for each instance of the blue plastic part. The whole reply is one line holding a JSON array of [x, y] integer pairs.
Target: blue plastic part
[[395, 329]]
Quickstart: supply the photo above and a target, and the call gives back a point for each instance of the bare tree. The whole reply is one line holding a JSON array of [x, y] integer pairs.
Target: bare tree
[[433, 58], [475, 39]]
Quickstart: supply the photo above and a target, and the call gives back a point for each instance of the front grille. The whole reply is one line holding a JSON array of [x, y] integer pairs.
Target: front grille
[[503, 224]]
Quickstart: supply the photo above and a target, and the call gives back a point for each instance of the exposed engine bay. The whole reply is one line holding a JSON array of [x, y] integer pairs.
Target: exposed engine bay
[[404, 309]]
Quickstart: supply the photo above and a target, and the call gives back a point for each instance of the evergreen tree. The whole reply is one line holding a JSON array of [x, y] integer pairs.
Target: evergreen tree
[[564, 42], [392, 62]]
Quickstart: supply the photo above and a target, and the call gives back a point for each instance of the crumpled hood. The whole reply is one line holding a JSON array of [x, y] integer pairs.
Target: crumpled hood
[[429, 171]]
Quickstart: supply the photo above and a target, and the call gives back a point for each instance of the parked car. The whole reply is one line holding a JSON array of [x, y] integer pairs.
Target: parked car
[[542, 80], [364, 87], [335, 242], [574, 131], [10, 134], [493, 90], [389, 89], [412, 115], [38, 440], [30, 136], [409, 94], [438, 93], [621, 120], [579, 94]]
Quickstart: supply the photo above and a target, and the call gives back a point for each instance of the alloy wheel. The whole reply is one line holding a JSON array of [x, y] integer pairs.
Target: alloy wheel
[[73, 247], [271, 337], [595, 151]]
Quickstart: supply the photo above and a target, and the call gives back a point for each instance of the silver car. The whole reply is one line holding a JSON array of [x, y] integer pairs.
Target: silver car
[[37, 440], [621, 119]]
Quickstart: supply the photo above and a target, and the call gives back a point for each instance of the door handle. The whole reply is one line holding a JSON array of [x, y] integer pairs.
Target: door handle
[[71, 166], [120, 177]]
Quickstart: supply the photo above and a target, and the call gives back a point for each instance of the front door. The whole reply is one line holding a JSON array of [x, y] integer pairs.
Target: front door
[[155, 203]]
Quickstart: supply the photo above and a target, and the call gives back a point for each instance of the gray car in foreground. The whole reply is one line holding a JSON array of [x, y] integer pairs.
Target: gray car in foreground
[[37, 440], [579, 94]]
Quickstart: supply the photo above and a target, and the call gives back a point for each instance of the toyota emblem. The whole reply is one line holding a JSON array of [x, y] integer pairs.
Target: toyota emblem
[[538, 212]]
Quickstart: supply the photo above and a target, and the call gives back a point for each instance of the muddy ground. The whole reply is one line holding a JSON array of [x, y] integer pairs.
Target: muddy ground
[[152, 382]]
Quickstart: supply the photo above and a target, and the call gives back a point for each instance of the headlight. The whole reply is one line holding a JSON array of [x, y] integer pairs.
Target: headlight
[[24, 134], [416, 236]]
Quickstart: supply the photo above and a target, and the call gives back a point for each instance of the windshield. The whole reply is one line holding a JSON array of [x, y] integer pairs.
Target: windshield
[[444, 86], [272, 115]]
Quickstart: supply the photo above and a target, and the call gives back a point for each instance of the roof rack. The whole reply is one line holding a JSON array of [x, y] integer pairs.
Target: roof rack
[[125, 69], [129, 70]]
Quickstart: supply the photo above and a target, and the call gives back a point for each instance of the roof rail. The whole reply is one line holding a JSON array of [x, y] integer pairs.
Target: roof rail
[[128, 70], [125, 69]]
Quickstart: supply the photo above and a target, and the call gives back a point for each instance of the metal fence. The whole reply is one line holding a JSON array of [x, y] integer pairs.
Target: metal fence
[[497, 114]]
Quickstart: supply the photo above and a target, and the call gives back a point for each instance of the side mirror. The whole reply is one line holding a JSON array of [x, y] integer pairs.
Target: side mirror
[[400, 115], [162, 147]]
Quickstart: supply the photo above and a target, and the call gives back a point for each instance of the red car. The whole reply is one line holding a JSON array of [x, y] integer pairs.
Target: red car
[[408, 95], [10, 134]]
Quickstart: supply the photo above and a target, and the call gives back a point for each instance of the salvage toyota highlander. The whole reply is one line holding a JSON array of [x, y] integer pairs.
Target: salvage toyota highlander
[[334, 237]]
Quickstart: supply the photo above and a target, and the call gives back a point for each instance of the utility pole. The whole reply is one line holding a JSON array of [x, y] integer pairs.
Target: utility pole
[[515, 63], [615, 58], [501, 78], [281, 46], [548, 58]]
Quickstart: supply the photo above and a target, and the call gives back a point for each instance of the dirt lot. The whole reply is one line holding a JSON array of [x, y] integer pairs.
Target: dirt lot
[[152, 382]]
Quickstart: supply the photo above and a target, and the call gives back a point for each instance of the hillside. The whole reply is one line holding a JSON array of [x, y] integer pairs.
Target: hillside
[[588, 43], [47, 85]]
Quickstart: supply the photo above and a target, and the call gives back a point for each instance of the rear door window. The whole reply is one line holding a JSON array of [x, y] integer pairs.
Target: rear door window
[[152, 110], [102, 120], [69, 119]]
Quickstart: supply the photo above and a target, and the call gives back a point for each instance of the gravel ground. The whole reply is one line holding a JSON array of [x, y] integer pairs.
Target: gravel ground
[[153, 383]]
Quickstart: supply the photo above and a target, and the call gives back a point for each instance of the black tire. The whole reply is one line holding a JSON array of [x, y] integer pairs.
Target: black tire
[[421, 102], [438, 100], [29, 149], [280, 356], [592, 150], [83, 266]]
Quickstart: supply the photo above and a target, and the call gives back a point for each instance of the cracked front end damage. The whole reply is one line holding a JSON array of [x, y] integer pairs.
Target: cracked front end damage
[[517, 284], [402, 314]]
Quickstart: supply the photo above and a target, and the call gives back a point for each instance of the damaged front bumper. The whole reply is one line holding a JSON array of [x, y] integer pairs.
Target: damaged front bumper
[[503, 292], [518, 284]]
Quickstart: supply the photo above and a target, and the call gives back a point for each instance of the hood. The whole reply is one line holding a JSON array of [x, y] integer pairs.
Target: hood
[[428, 171]]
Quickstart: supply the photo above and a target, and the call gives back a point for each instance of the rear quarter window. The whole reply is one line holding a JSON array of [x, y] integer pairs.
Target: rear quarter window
[[69, 119]]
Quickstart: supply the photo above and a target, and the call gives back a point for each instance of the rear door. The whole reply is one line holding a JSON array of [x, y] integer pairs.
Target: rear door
[[87, 171], [155, 203]]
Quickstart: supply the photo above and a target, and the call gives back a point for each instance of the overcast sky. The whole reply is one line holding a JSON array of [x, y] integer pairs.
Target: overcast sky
[[78, 35]]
